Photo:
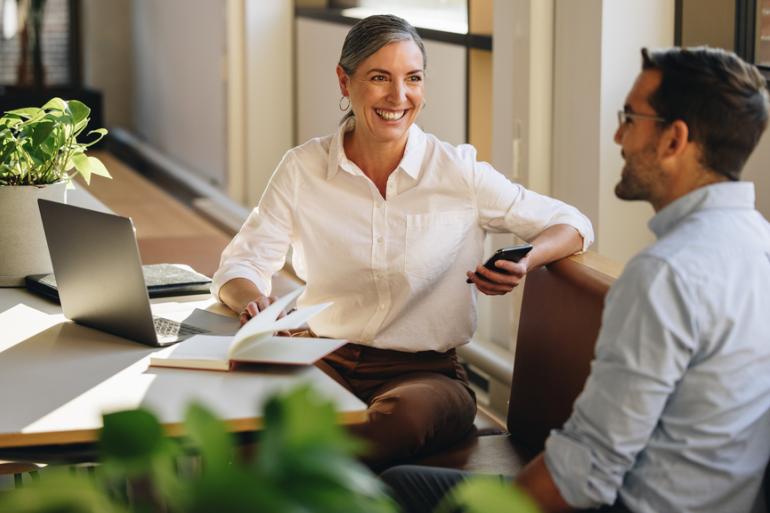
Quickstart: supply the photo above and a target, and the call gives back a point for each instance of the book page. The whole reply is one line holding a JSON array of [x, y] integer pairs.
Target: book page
[[199, 351], [263, 323], [287, 350]]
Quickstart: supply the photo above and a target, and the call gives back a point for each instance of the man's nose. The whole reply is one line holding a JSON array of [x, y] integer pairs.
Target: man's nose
[[619, 135]]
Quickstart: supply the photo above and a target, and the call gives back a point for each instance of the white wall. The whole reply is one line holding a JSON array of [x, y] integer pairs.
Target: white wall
[[180, 89], [108, 57], [577, 104], [318, 50], [622, 225], [757, 170], [596, 61], [269, 82]]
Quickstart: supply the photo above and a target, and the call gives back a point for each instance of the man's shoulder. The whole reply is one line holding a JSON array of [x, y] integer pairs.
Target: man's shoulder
[[701, 254], [710, 239]]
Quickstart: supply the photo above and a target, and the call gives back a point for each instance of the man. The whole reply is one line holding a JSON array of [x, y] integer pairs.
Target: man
[[675, 415]]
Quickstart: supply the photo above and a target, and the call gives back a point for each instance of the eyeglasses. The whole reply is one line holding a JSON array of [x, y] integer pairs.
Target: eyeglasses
[[625, 117]]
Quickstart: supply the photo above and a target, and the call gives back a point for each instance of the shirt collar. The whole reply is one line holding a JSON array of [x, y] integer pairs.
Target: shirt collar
[[411, 162], [719, 195]]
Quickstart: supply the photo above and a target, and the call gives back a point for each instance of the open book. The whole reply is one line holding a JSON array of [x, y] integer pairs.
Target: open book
[[253, 343]]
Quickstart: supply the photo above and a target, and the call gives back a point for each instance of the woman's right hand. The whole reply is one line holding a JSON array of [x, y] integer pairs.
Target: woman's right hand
[[253, 307]]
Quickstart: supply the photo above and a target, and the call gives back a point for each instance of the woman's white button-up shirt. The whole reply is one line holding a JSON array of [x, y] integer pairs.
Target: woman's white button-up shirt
[[394, 268]]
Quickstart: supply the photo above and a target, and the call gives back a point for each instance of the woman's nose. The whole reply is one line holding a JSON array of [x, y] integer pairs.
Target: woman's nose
[[397, 91]]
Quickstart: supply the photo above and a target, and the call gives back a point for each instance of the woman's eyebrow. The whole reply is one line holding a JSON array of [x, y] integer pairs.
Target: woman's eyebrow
[[386, 72]]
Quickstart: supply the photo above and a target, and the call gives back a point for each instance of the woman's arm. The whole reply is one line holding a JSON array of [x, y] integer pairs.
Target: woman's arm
[[243, 297], [259, 248], [553, 243]]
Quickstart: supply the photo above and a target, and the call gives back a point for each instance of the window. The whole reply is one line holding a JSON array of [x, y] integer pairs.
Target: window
[[18, 65], [443, 15]]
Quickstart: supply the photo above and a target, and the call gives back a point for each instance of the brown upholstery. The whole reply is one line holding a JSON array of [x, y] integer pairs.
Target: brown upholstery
[[560, 318]]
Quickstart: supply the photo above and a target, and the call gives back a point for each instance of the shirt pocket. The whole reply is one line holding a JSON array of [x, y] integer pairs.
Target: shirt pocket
[[433, 240]]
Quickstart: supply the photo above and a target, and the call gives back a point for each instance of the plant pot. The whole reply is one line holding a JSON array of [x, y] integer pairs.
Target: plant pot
[[23, 249]]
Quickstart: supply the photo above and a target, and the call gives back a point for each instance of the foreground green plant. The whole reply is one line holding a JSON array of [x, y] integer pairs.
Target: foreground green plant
[[487, 494], [304, 463], [39, 146]]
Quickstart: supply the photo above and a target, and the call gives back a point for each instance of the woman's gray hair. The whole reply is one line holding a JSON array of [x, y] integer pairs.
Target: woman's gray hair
[[372, 33]]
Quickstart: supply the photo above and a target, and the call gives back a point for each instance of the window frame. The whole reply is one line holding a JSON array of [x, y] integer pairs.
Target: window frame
[[746, 32]]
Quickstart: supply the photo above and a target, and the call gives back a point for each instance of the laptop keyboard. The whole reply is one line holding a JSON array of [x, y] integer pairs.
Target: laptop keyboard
[[168, 330]]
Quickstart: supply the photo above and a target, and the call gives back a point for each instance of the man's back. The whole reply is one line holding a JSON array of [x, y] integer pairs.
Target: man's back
[[685, 353]]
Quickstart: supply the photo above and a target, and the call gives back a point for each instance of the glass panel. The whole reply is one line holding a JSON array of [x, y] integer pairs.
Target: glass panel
[[444, 15], [54, 43], [762, 50]]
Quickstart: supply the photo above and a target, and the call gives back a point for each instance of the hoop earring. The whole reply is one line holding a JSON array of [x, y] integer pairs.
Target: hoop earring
[[347, 105]]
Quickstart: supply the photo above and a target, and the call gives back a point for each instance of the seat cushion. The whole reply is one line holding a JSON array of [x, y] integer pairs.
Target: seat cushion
[[493, 454]]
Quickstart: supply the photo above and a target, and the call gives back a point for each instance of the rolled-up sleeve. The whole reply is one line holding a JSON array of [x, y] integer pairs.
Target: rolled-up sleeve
[[505, 206], [645, 345], [259, 249]]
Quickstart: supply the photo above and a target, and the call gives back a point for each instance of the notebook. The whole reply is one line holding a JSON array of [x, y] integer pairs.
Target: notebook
[[99, 275], [255, 342], [162, 280]]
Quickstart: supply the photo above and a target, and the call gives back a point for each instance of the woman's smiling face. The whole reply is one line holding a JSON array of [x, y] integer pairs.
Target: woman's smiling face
[[386, 91]]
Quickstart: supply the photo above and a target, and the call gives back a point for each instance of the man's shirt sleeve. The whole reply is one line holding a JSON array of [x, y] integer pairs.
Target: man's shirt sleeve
[[645, 345]]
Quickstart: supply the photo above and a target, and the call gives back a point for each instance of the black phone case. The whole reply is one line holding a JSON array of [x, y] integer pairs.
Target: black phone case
[[513, 254]]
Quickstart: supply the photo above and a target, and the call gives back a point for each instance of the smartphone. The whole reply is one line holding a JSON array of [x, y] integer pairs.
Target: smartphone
[[511, 253]]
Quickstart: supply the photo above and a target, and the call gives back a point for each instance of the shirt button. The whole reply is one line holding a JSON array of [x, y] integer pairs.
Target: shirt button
[[380, 240], [381, 307]]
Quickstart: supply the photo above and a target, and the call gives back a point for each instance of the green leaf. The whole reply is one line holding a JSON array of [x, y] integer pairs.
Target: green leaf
[[101, 132], [40, 133], [98, 168], [131, 437], [79, 111], [83, 165], [59, 490], [26, 113], [210, 435], [55, 104], [487, 495]]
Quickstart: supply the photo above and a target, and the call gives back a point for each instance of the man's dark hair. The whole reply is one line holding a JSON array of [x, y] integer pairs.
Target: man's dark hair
[[722, 99]]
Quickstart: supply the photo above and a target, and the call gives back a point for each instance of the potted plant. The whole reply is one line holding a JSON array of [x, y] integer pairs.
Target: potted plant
[[303, 463], [39, 156]]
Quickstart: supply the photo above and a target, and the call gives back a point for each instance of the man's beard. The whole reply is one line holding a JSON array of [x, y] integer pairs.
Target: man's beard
[[640, 172]]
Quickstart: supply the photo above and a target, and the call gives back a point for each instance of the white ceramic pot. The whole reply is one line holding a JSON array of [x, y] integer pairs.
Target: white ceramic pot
[[23, 249]]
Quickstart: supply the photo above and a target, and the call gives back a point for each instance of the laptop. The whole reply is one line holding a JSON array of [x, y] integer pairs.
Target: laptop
[[99, 275]]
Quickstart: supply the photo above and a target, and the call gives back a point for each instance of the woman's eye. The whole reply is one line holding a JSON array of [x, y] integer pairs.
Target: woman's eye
[[379, 78], [415, 78]]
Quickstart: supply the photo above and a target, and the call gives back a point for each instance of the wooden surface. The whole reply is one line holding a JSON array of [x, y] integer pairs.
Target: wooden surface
[[166, 230], [57, 378]]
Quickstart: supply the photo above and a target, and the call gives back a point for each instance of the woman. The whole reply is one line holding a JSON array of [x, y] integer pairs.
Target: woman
[[386, 221]]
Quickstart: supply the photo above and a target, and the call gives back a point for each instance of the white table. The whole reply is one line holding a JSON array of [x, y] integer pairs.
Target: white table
[[57, 378]]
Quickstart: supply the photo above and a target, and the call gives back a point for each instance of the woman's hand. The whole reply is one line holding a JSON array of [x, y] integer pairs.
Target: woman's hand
[[244, 298], [494, 283], [252, 308]]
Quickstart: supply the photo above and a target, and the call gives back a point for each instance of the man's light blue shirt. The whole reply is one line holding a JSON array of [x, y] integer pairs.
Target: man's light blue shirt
[[675, 415]]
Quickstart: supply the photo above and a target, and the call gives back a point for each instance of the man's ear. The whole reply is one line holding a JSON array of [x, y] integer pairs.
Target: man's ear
[[342, 78], [675, 139]]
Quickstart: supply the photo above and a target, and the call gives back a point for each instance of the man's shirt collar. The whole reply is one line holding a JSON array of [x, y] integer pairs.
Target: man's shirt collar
[[720, 195]]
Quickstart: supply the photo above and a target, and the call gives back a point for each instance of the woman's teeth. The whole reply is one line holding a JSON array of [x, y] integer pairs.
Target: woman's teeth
[[389, 115]]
